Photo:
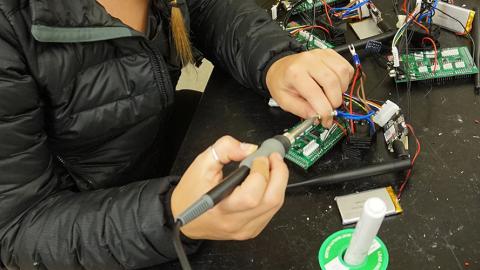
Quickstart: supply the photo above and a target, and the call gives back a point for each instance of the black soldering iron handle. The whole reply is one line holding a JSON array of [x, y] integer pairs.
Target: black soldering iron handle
[[279, 144], [234, 179]]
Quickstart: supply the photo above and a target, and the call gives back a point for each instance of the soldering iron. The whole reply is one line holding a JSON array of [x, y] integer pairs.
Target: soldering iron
[[279, 144]]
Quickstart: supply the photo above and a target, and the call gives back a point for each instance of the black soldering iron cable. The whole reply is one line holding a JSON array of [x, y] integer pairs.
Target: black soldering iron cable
[[177, 244], [368, 171]]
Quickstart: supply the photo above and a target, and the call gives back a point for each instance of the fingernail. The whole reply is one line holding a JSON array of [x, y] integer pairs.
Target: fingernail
[[248, 147]]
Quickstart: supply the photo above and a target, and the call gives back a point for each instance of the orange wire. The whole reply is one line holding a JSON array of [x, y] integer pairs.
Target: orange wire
[[352, 128], [421, 26], [404, 7], [327, 11], [341, 127], [409, 172], [435, 65], [310, 27]]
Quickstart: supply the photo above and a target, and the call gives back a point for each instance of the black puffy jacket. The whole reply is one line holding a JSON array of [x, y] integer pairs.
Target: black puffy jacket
[[83, 98]]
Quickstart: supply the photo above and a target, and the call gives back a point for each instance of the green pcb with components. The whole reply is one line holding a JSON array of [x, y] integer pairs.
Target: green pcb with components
[[456, 62], [314, 43], [308, 5], [313, 144]]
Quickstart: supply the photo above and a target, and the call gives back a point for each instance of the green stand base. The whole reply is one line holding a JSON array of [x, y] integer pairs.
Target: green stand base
[[333, 249]]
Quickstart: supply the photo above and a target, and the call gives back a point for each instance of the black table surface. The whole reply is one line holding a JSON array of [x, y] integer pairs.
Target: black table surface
[[439, 228]]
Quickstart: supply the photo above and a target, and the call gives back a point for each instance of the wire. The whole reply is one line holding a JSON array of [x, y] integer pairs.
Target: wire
[[308, 27], [177, 244], [464, 29], [435, 65], [404, 6], [375, 105], [292, 9], [354, 6], [352, 128], [356, 117], [409, 172], [422, 26], [313, 23], [360, 105], [327, 11], [341, 127]]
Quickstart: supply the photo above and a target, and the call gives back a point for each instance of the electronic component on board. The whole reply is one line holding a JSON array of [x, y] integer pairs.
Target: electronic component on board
[[448, 63], [313, 144], [396, 129]]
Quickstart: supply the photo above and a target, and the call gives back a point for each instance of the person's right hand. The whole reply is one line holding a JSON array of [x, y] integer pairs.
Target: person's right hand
[[310, 83], [244, 213]]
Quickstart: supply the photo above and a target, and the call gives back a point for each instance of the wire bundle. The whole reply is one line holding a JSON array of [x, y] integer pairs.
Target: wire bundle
[[350, 11]]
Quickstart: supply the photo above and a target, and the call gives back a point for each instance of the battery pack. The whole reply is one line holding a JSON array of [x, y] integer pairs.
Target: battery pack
[[463, 15], [351, 206]]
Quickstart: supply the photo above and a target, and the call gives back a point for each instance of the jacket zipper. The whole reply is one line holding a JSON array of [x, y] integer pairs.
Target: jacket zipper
[[88, 180], [158, 74]]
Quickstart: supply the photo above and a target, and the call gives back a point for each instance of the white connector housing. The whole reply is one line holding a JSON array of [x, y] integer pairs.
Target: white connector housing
[[364, 12], [386, 112], [275, 11], [401, 20], [310, 148], [396, 57]]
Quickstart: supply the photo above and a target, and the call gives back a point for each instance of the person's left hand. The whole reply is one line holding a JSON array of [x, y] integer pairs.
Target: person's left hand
[[310, 83]]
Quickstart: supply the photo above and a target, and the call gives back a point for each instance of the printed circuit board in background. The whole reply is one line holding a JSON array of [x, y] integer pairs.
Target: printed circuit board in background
[[452, 63]]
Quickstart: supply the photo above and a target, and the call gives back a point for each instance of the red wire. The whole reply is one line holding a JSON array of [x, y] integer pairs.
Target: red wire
[[409, 172], [435, 65], [404, 7], [327, 10], [355, 78]]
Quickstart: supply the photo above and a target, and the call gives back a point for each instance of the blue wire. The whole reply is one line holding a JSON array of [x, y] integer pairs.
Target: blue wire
[[429, 13], [353, 7], [372, 126], [366, 117], [353, 116]]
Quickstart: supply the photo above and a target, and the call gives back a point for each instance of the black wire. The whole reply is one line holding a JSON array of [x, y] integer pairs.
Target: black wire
[[177, 244], [313, 23], [289, 13], [395, 7]]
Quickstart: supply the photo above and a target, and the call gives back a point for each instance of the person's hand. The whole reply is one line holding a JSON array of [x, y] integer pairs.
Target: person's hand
[[248, 209], [310, 83]]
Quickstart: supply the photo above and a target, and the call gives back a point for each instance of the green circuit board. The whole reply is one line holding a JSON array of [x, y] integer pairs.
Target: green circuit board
[[309, 40], [313, 144], [455, 62], [314, 43], [308, 5]]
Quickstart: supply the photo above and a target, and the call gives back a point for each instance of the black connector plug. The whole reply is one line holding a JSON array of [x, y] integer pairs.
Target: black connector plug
[[399, 149]]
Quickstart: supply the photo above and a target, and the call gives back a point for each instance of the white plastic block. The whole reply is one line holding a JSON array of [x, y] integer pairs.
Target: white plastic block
[[386, 112]]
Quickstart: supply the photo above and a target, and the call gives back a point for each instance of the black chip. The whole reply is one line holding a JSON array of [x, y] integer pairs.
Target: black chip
[[315, 133]]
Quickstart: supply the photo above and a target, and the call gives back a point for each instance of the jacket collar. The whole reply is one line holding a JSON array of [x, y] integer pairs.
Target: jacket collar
[[75, 21]]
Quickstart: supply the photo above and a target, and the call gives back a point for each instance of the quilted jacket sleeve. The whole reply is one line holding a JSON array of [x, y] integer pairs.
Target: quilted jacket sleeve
[[240, 37], [42, 227]]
